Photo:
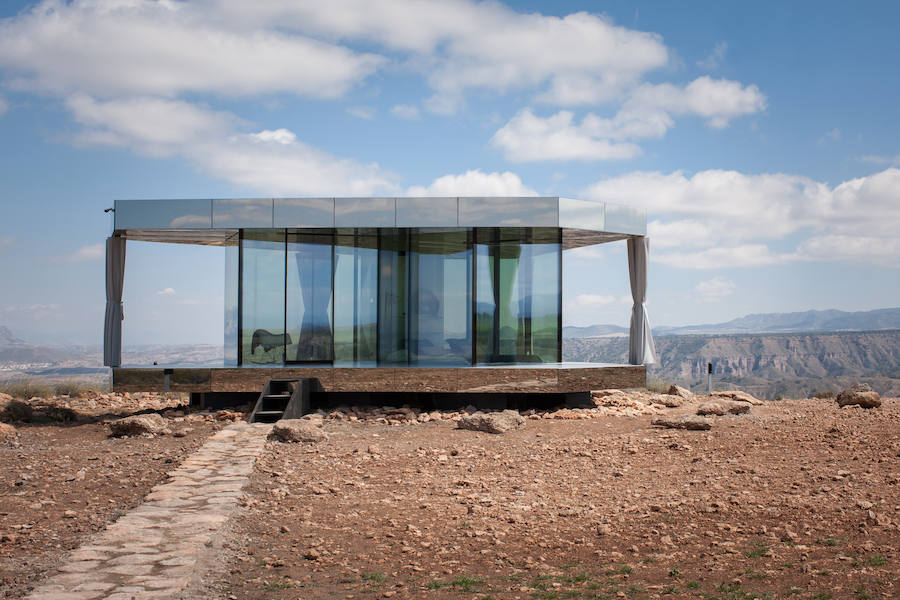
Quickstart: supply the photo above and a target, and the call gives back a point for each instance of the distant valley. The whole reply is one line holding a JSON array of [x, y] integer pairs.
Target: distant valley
[[789, 354], [768, 365]]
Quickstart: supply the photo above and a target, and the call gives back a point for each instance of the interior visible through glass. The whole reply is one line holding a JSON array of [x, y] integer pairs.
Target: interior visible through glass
[[400, 296], [262, 297]]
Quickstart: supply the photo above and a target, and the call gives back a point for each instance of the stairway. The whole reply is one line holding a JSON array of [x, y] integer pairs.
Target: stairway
[[281, 399]]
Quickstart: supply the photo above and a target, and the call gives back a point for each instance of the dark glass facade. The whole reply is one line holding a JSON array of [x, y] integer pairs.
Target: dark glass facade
[[399, 296]]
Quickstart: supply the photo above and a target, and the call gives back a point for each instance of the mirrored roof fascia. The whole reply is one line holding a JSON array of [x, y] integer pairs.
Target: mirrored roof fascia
[[193, 218]]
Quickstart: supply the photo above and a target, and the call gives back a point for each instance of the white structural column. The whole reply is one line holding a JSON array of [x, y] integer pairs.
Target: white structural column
[[641, 350], [115, 279]]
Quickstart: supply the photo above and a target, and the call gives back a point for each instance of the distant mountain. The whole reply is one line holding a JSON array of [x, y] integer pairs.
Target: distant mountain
[[572, 332], [810, 321], [15, 350], [792, 364], [8, 339]]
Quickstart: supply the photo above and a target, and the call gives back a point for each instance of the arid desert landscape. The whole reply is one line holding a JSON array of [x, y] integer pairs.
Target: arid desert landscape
[[787, 499]]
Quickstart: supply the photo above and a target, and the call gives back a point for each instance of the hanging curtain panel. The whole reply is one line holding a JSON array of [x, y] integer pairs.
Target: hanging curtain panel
[[115, 280], [641, 349]]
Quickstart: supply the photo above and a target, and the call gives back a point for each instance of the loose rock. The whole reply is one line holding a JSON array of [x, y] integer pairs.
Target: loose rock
[[723, 407], [677, 390], [738, 396], [498, 422], [8, 433], [297, 430], [684, 422], [860, 395], [138, 424]]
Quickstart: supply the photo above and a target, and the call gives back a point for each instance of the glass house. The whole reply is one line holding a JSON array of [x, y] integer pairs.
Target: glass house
[[382, 283]]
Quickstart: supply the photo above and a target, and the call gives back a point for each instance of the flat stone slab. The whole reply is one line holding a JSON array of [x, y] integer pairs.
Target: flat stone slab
[[134, 558]]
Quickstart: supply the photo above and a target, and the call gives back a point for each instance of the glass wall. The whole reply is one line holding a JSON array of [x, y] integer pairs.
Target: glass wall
[[262, 296], [308, 296], [517, 300], [400, 296], [355, 297], [232, 268], [393, 296], [440, 288]]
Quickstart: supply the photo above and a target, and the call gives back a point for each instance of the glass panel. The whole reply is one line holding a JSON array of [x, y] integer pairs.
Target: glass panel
[[308, 306], [242, 213], [440, 291], [517, 295], [508, 212], [392, 296], [427, 212], [163, 214], [365, 212], [355, 297], [262, 297], [304, 212], [626, 219], [231, 305]]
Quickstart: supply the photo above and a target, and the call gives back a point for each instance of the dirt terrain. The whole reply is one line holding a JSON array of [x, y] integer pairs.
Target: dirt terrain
[[797, 499], [60, 482]]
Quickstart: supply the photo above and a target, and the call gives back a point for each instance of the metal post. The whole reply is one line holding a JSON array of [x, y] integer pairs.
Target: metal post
[[709, 378]]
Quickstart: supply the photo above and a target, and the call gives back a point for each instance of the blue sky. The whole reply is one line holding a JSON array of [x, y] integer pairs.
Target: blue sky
[[762, 138]]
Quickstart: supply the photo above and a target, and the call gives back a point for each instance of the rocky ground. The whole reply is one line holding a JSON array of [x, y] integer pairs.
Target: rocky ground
[[63, 477], [790, 499], [795, 499]]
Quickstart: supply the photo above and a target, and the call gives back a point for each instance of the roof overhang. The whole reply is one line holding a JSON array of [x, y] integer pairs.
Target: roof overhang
[[216, 221]]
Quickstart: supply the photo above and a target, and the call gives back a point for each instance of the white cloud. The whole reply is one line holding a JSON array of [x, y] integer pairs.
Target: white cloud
[[166, 292], [475, 183], [884, 251], [362, 112], [648, 113], [892, 161], [141, 47], [462, 45], [85, 253], [744, 255], [4, 105], [32, 309], [593, 300], [268, 161], [715, 289], [717, 219], [834, 135], [717, 100], [147, 125], [531, 138], [714, 59], [684, 232], [406, 111]]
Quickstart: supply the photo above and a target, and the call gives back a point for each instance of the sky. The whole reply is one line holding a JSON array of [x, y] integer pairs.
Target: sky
[[761, 137]]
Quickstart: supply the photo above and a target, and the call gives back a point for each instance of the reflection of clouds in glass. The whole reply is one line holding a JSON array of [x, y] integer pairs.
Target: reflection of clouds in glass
[[499, 212], [250, 212], [190, 221], [364, 212]]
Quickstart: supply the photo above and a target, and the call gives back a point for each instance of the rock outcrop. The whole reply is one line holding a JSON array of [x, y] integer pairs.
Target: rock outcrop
[[684, 422], [8, 433], [738, 396], [498, 422], [677, 390], [297, 430], [140, 424], [723, 407], [859, 395]]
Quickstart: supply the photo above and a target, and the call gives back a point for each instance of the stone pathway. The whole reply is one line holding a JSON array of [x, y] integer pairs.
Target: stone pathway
[[155, 550]]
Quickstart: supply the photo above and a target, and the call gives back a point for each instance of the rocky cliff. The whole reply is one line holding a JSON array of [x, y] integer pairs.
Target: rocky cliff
[[769, 364]]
